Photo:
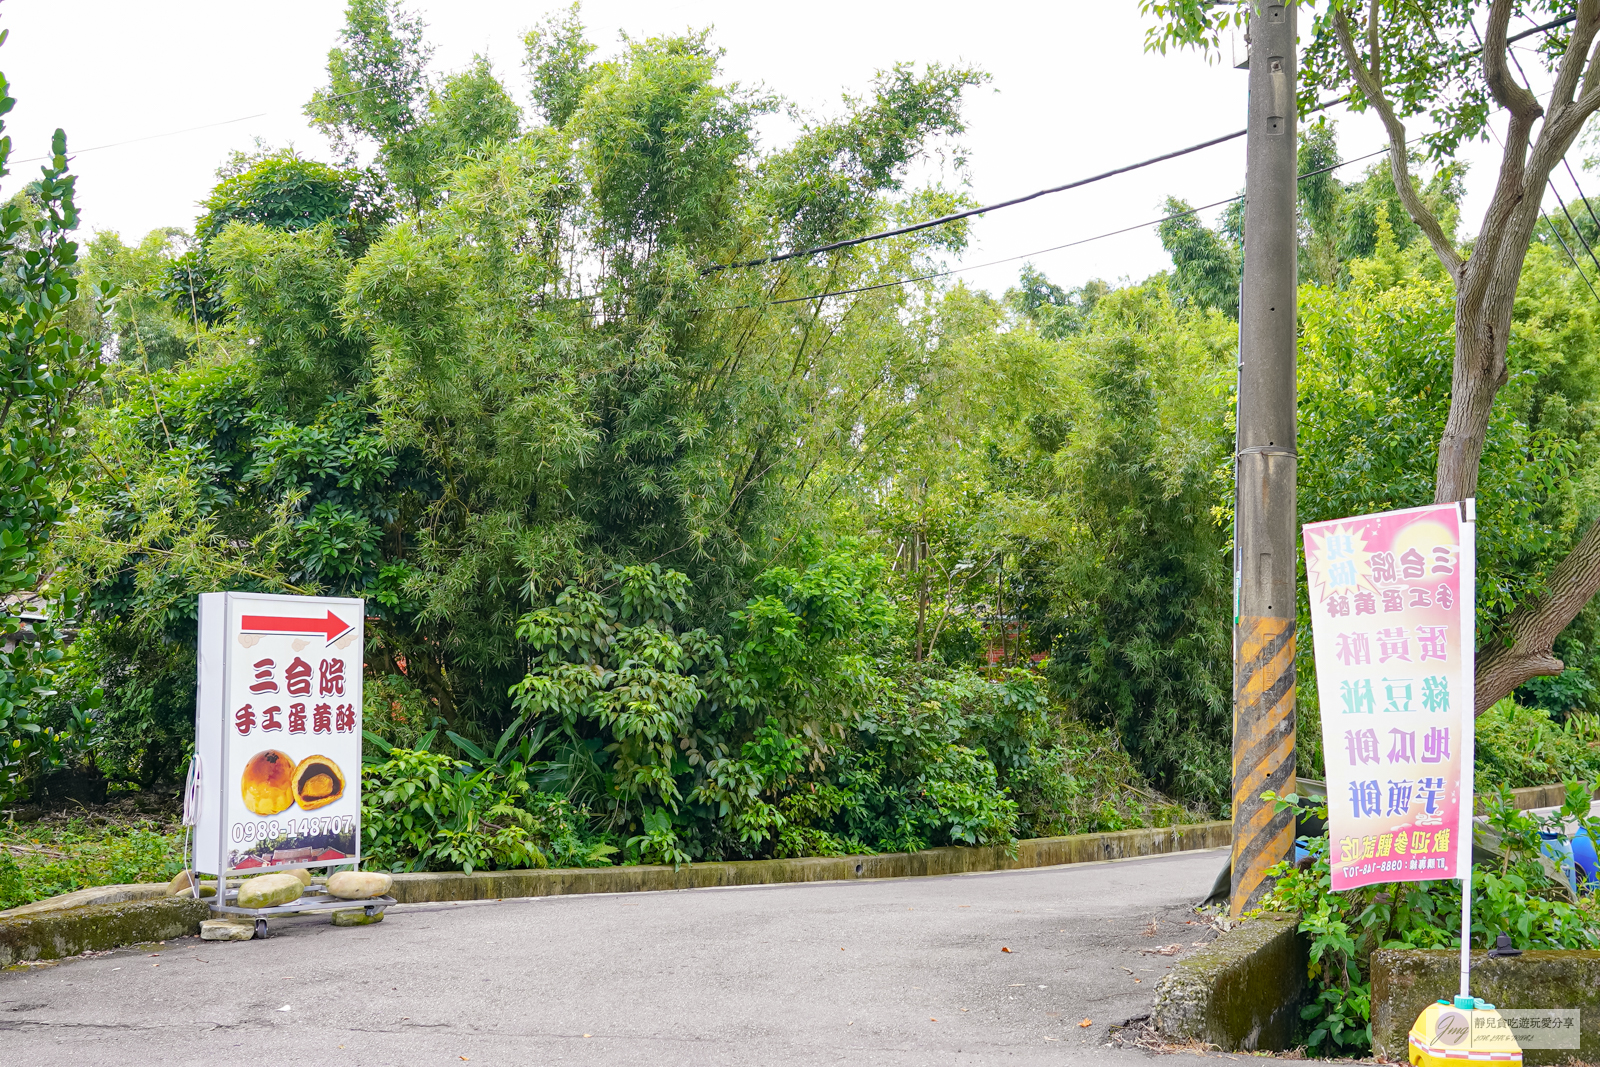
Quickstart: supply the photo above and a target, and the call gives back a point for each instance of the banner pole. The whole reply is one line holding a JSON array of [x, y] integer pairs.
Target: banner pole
[[1466, 924], [1469, 648]]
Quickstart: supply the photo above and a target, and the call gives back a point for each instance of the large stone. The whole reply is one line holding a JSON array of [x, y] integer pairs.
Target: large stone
[[302, 874], [227, 930], [359, 885], [269, 890], [355, 917], [1242, 992], [1404, 981], [182, 882]]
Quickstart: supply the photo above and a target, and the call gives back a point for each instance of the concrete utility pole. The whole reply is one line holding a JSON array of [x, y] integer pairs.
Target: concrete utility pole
[[1265, 549]]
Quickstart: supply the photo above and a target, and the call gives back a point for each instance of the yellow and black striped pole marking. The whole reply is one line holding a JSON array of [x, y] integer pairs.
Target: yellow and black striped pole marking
[[1263, 754], [1265, 548]]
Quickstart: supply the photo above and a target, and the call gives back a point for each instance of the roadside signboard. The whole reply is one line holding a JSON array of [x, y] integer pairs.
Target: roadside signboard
[[1392, 601], [277, 777]]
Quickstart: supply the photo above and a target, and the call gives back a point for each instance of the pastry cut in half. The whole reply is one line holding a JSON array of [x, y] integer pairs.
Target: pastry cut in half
[[268, 782], [318, 781]]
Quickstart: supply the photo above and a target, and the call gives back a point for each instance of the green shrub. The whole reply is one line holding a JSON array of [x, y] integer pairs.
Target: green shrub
[[396, 711], [422, 811], [1520, 899], [1518, 747]]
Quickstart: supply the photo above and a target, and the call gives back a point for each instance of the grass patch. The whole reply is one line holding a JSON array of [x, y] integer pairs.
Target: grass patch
[[137, 839]]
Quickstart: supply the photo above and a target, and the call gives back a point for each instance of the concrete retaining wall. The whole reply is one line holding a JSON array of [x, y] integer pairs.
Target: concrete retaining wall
[[1033, 852], [1534, 796], [1241, 993], [1404, 981], [58, 934], [85, 921], [82, 898]]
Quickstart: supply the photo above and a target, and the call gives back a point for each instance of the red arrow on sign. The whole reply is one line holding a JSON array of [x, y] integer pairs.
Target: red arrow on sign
[[331, 627]]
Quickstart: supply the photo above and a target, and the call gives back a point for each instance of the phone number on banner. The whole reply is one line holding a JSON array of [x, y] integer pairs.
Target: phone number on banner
[[253, 831]]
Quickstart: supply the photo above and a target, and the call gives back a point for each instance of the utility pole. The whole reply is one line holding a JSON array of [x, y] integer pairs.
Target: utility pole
[[1265, 552]]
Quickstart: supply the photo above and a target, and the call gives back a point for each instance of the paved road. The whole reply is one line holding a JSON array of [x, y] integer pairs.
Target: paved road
[[895, 972]]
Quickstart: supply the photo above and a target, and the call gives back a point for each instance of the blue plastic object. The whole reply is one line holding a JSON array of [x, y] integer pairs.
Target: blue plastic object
[[1586, 861], [1559, 849]]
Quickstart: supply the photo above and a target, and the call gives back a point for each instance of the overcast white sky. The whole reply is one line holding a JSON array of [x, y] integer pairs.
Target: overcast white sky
[[1073, 93]]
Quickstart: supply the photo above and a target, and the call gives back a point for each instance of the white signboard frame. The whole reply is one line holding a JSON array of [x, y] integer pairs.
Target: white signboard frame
[[277, 778]]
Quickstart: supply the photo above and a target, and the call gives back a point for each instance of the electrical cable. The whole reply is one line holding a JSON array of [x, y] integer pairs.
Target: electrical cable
[[173, 133], [149, 137], [957, 216], [943, 219], [1038, 252], [1581, 240], [1581, 194], [1528, 84], [1574, 259]]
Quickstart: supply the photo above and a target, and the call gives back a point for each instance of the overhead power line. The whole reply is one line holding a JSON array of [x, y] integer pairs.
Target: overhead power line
[[1026, 255], [945, 219], [1587, 203], [1584, 241], [1574, 259], [149, 137], [1557, 231], [1528, 83], [174, 133], [901, 231]]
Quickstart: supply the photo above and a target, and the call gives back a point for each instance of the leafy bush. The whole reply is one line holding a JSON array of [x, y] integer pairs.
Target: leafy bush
[[1521, 899], [422, 811], [397, 712], [1518, 746], [787, 734]]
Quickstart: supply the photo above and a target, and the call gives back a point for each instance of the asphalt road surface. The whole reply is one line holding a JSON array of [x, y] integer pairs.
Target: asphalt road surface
[[905, 971]]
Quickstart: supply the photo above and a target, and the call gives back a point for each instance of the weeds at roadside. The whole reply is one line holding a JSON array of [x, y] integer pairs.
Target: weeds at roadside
[[83, 847]]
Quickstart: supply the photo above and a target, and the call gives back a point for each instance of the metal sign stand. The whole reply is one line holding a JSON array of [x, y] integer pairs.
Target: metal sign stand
[[213, 785], [314, 899]]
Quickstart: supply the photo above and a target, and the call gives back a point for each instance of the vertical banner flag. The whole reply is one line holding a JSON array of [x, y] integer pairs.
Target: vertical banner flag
[[278, 732], [1393, 627]]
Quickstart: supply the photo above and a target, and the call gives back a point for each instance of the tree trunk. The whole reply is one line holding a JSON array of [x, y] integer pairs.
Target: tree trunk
[[1486, 288], [1480, 371]]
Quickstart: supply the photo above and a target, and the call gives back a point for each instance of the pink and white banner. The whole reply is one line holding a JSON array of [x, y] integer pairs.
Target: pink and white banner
[[1393, 628]]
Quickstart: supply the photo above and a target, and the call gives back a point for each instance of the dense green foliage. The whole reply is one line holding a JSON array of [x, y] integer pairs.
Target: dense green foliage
[[46, 367], [1518, 747], [1524, 898], [667, 559], [422, 811], [634, 518]]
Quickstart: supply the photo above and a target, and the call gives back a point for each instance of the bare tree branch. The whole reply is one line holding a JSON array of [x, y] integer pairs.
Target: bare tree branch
[[1576, 58], [1507, 91], [1371, 86]]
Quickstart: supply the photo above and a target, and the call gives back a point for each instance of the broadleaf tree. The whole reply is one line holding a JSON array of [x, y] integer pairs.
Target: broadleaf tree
[[1437, 73], [46, 367]]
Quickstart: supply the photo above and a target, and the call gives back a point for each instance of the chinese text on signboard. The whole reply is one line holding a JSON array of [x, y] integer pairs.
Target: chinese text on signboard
[[1391, 612]]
